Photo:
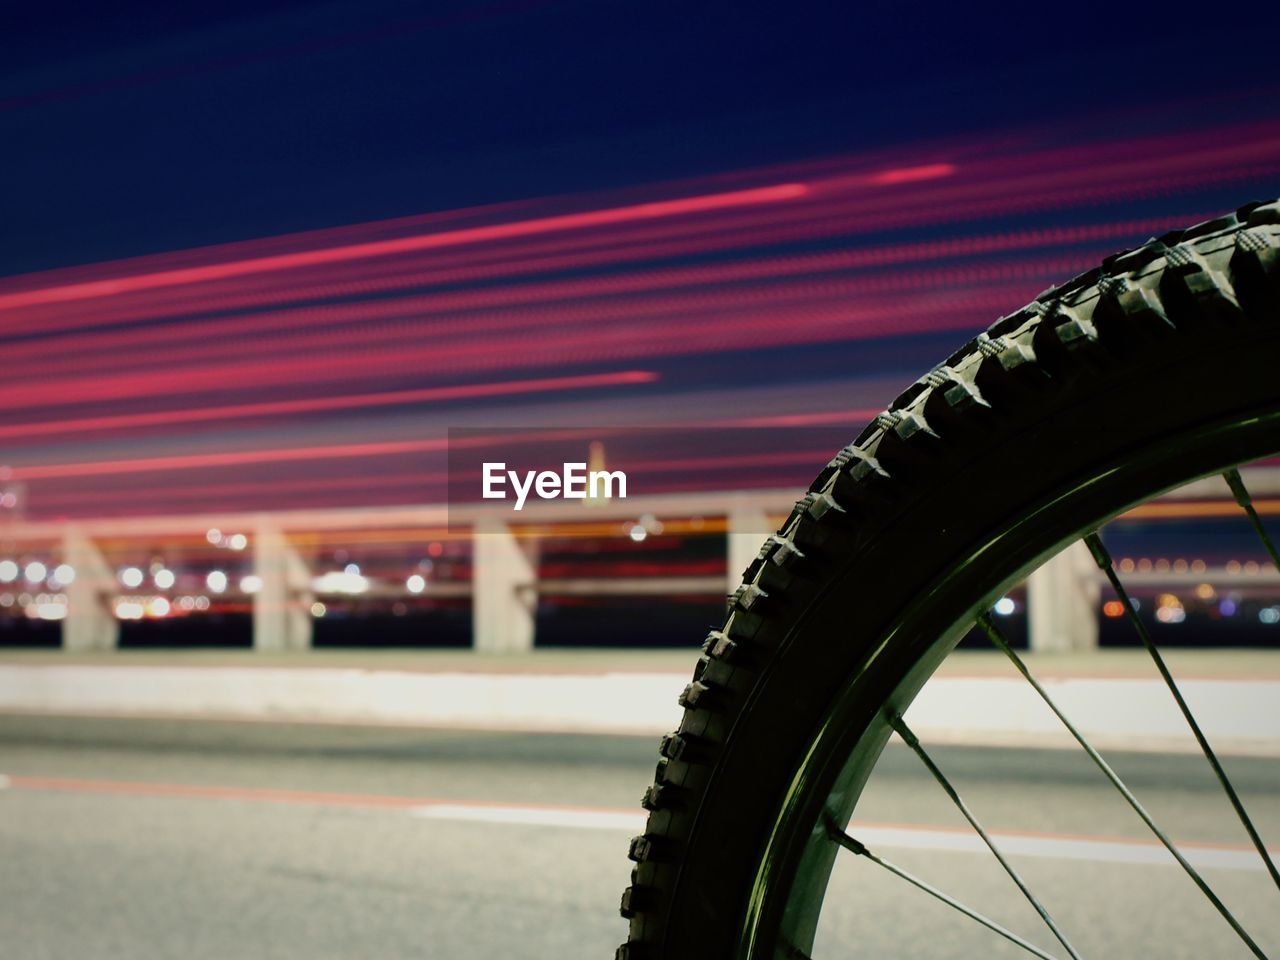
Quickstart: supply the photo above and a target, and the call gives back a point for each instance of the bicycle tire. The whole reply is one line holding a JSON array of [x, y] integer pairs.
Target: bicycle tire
[[1157, 367]]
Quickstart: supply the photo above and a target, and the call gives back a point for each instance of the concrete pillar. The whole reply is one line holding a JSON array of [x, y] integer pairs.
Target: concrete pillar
[[748, 528], [90, 623], [504, 593], [1062, 602], [282, 606]]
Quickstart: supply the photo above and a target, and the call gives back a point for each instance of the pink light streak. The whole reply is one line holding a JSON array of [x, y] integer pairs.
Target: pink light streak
[[223, 360], [831, 204], [1099, 237], [545, 308], [318, 404], [929, 171], [431, 241]]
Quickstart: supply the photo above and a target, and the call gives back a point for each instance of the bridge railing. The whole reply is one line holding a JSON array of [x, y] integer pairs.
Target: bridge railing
[[1062, 596]]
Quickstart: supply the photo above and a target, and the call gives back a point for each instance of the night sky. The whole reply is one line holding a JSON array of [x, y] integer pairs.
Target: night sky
[[133, 128]]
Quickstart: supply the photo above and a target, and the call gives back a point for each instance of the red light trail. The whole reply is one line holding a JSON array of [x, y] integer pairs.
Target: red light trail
[[318, 404], [283, 371], [310, 319], [382, 248]]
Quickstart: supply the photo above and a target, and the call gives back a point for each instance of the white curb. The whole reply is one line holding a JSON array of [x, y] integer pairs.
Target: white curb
[[1238, 716]]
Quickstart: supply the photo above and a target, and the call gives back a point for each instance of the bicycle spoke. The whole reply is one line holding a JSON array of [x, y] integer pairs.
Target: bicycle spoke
[[998, 639], [1241, 493], [1103, 559], [860, 849], [913, 742]]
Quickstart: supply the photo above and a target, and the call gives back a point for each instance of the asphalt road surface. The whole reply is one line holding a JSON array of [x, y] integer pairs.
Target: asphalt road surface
[[152, 839]]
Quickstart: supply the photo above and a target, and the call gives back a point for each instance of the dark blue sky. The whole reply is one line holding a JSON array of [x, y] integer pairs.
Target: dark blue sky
[[131, 128]]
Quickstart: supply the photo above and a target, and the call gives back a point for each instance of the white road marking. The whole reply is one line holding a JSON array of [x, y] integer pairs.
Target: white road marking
[[534, 816], [1097, 850], [940, 840]]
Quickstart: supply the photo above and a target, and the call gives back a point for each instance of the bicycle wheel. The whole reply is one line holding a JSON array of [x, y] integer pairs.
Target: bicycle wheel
[[1161, 366]]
